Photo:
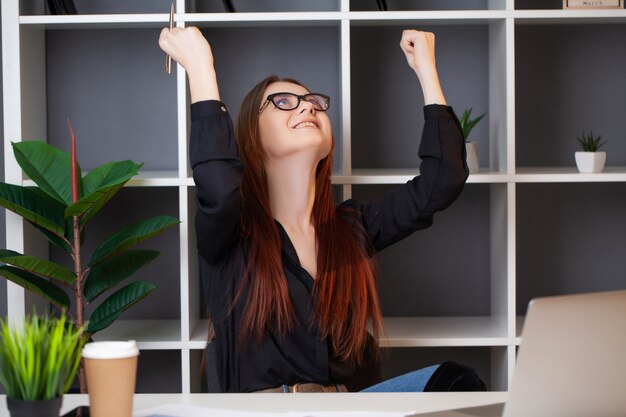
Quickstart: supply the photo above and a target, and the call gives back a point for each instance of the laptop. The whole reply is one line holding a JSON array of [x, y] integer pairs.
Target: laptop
[[571, 363]]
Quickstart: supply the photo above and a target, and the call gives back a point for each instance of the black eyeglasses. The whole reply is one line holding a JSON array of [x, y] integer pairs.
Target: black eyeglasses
[[290, 101]]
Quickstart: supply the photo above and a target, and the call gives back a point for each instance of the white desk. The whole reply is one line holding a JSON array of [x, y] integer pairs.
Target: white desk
[[418, 402]]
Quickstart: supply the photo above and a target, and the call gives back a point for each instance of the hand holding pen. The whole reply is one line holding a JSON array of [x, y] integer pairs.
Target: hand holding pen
[[192, 51]]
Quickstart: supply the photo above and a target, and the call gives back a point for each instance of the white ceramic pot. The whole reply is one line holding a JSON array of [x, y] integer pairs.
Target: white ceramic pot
[[471, 149], [590, 161]]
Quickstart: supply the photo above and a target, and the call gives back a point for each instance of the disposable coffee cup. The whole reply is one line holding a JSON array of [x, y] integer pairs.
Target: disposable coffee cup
[[111, 369]]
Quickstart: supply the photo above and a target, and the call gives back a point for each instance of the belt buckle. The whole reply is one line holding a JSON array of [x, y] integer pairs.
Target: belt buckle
[[304, 387]]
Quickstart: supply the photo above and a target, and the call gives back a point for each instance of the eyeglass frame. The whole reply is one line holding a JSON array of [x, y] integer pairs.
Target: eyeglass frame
[[270, 99]]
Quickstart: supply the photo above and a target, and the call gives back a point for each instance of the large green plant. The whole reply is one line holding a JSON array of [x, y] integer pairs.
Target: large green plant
[[40, 358], [60, 206]]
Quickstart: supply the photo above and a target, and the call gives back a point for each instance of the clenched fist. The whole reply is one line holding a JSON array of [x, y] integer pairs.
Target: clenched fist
[[419, 50]]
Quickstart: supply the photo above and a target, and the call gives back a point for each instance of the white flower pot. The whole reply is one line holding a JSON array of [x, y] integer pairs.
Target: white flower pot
[[471, 149], [590, 161]]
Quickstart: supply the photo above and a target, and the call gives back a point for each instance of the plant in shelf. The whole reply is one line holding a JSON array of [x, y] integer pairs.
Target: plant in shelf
[[39, 363], [590, 159], [60, 206], [471, 148]]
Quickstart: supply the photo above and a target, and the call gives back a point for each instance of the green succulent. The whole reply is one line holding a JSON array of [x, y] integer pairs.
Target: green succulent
[[468, 124], [40, 357], [589, 142]]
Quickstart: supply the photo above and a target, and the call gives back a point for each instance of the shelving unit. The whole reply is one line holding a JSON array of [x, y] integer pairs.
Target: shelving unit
[[457, 290]]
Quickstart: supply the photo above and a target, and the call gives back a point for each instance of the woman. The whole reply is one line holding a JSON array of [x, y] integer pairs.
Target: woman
[[288, 275]]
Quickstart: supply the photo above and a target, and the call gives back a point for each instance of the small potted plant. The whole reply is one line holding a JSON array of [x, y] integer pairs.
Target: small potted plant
[[590, 159], [40, 358], [471, 148]]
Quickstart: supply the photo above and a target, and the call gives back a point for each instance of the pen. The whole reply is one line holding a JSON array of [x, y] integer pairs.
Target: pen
[[168, 58]]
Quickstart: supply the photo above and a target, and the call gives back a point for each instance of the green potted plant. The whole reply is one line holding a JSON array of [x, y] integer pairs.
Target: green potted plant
[[589, 159], [60, 206], [471, 148], [39, 359]]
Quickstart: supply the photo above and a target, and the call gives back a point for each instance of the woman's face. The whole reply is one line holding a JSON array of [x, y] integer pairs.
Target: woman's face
[[285, 132]]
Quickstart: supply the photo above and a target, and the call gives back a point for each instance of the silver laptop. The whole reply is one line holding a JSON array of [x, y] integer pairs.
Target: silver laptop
[[571, 363]]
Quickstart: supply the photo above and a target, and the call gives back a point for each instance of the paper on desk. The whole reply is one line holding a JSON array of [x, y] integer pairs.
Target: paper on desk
[[175, 410]]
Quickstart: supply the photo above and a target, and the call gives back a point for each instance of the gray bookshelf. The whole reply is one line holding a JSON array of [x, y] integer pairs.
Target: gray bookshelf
[[526, 225]]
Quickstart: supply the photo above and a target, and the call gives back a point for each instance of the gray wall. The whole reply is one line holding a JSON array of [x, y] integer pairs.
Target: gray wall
[[113, 86], [566, 83], [570, 239]]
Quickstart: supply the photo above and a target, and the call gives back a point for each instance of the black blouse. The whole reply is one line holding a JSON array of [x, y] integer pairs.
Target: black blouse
[[301, 355]]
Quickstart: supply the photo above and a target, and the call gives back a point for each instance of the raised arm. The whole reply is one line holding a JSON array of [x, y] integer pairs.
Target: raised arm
[[443, 170], [212, 149]]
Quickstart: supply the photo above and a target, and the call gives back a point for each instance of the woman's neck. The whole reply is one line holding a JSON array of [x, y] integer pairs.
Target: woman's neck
[[291, 185]]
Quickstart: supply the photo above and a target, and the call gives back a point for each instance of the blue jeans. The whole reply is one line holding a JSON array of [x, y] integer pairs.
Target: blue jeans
[[412, 382]]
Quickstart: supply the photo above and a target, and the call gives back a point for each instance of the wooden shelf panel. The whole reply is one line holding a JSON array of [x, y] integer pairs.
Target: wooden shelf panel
[[444, 331], [158, 20], [419, 332], [431, 17], [569, 174], [402, 175], [149, 334], [98, 21], [146, 179], [549, 17]]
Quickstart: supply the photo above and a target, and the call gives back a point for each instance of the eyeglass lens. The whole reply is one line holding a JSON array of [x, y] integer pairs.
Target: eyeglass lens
[[289, 101]]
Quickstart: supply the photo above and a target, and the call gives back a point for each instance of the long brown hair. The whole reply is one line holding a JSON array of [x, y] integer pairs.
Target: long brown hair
[[345, 291]]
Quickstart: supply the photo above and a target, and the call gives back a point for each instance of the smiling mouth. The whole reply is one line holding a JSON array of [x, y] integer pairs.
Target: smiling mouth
[[305, 124]]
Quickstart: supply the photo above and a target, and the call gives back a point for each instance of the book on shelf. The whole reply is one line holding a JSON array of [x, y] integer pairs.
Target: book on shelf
[[593, 4], [61, 7]]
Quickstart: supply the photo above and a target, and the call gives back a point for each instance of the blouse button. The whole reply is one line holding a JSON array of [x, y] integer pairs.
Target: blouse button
[[223, 108]]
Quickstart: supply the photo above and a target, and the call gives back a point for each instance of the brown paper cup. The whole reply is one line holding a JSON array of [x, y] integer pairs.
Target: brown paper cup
[[111, 369]]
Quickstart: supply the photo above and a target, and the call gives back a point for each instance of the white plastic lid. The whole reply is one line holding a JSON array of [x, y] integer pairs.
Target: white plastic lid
[[110, 350]]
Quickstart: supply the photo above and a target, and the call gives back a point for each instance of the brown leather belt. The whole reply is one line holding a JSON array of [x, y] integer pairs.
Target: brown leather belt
[[307, 387]]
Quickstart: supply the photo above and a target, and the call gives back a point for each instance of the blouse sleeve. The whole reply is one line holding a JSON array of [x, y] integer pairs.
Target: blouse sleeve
[[411, 207], [217, 172]]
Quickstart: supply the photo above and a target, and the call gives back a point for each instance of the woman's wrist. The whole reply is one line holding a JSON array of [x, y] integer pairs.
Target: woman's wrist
[[431, 87], [203, 85]]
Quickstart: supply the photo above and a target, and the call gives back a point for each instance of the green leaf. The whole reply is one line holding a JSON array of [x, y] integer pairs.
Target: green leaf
[[48, 167], [37, 285], [100, 185], [589, 142], [113, 271], [118, 302], [109, 174], [34, 207], [41, 267], [132, 235], [39, 357], [468, 124]]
